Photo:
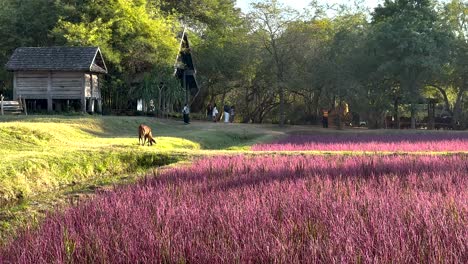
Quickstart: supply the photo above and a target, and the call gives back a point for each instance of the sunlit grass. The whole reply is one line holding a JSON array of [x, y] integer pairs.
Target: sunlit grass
[[42, 153], [44, 157]]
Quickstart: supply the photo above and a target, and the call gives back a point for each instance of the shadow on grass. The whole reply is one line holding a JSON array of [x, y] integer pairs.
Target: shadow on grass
[[225, 172], [19, 212]]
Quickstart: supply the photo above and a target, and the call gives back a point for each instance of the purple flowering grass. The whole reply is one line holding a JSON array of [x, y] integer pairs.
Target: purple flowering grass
[[268, 209], [437, 142]]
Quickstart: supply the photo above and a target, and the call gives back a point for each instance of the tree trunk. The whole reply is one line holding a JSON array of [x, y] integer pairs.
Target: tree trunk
[[281, 94], [309, 108], [374, 120], [431, 115], [446, 100], [160, 101], [457, 111], [281, 105], [340, 115], [413, 116], [457, 107], [279, 81], [247, 117], [411, 86], [396, 114], [315, 102]]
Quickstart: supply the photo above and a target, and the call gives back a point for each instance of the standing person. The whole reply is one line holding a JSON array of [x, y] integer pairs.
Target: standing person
[[214, 113], [325, 118], [186, 112], [232, 113], [226, 113], [209, 112]]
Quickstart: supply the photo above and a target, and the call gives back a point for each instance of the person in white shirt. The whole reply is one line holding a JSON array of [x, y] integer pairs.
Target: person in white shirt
[[227, 109], [215, 113], [186, 112]]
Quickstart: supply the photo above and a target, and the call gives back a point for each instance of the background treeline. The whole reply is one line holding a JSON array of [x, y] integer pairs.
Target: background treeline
[[274, 64]]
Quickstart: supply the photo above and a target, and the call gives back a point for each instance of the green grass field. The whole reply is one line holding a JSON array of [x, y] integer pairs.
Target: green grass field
[[46, 160], [39, 154]]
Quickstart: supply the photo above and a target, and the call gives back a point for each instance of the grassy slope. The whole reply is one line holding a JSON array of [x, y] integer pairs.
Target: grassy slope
[[47, 159], [38, 154]]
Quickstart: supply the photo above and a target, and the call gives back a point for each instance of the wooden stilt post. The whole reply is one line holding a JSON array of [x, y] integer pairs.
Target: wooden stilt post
[[1, 103], [20, 102], [25, 108], [50, 106], [83, 94], [83, 104], [99, 106]]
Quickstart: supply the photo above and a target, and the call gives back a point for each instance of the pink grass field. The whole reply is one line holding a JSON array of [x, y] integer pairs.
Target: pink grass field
[[434, 142], [268, 209]]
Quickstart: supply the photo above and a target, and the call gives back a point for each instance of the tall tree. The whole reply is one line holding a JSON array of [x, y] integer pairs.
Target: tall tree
[[25, 23], [220, 57], [131, 33], [134, 37], [272, 19], [453, 78], [411, 43], [310, 64], [201, 13]]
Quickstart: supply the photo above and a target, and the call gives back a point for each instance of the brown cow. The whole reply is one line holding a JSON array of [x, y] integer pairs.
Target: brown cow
[[144, 133]]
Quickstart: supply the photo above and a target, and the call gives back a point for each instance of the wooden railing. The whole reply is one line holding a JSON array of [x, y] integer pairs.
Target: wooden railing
[[13, 107]]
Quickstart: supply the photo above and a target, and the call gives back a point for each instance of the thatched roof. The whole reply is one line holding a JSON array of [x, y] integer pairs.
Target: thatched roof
[[86, 59], [184, 65]]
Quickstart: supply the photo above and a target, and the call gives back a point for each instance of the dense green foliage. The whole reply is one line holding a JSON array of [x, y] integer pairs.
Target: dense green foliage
[[274, 64], [382, 63]]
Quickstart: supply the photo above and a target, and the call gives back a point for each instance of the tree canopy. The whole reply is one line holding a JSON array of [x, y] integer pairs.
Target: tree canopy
[[274, 63]]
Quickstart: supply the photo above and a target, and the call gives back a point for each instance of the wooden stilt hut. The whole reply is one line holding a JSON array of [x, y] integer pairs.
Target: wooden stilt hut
[[55, 75]]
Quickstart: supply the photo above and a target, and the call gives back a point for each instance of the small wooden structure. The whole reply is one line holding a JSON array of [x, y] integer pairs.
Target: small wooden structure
[[13, 107], [57, 74]]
